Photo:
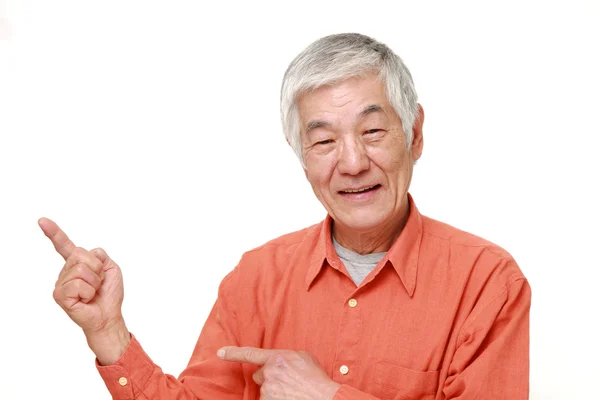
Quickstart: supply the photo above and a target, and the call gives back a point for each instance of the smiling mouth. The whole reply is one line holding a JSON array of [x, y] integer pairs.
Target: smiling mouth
[[363, 190]]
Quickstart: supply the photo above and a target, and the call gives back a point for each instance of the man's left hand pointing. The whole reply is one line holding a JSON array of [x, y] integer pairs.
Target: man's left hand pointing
[[285, 374]]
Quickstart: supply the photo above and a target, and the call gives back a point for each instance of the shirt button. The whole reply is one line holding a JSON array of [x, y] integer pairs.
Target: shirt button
[[352, 303], [344, 369], [122, 381]]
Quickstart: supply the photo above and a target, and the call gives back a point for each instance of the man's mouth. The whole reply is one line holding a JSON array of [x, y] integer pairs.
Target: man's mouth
[[360, 190]]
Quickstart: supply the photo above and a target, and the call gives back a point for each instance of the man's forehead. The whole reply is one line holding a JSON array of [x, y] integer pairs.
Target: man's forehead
[[355, 95], [315, 111]]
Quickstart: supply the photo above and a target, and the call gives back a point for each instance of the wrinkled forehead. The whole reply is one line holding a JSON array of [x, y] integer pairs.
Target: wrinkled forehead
[[351, 99]]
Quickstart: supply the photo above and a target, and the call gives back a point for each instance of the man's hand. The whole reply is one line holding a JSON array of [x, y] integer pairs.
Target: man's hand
[[285, 374], [90, 290]]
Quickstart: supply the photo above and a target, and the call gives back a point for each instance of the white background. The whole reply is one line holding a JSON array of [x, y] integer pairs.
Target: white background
[[151, 128]]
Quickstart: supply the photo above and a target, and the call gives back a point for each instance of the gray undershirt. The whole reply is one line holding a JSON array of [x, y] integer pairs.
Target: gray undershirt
[[358, 266]]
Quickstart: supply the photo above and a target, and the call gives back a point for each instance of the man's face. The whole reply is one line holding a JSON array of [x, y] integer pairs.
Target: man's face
[[355, 151]]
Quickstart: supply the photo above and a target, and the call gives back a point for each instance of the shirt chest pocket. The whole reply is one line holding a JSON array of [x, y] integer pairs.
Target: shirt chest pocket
[[392, 382]]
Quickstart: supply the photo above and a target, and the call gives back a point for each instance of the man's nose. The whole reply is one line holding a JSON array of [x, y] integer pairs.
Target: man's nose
[[353, 158]]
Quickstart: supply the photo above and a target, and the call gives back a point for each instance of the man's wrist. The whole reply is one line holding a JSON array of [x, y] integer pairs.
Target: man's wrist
[[109, 344]]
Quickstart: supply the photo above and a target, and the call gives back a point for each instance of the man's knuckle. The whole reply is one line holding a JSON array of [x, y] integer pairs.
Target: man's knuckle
[[78, 284], [57, 295], [249, 354], [78, 252], [64, 245], [279, 360], [61, 276], [79, 268], [98, 251], [73, 257], [95, 265]]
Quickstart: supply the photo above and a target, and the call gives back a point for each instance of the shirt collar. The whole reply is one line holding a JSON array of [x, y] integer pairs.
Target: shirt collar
[[403, 255]]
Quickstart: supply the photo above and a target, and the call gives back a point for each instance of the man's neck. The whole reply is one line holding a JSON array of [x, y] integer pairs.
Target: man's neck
[[377, 240]]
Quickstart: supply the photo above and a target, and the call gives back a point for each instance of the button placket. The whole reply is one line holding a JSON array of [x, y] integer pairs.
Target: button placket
[[349, 337]]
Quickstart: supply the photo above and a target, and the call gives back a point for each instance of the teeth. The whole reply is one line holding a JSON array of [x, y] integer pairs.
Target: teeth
[[359, 190]]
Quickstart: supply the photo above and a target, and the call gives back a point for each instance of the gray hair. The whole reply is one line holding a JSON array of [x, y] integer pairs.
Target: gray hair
[[334, 58]]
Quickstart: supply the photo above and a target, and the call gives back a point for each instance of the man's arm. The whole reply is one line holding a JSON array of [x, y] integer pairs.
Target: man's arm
[[136, 376], [90, 290], [491, 360]]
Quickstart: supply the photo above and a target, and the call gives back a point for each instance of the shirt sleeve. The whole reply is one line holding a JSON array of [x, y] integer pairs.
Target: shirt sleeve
[[491, 360], [136, 377]]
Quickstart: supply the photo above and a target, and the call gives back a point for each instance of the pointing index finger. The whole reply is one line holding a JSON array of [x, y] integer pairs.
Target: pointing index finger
[[250, 355], [63, 245]]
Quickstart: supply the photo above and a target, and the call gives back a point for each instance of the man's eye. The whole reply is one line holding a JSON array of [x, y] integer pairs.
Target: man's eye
[[373, 131], [325, 141]]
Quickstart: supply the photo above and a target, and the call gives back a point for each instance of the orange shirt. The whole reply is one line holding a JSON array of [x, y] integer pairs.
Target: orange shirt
[[444, 315]]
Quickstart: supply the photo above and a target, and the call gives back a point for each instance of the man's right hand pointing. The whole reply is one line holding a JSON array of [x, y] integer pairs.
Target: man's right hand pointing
[[90, 290]]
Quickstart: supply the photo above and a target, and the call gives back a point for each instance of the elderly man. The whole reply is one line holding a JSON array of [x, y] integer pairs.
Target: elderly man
[[375, 302]]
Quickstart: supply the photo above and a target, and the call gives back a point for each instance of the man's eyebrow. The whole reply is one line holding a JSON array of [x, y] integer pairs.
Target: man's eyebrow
[[312, 125], [373, 108]]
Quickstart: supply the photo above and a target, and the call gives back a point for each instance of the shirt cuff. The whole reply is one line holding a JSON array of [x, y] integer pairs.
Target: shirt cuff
[[346, 392], [126, 378]]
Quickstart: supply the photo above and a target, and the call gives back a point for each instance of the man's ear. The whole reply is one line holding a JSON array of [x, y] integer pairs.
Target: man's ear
[[416, 148]]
